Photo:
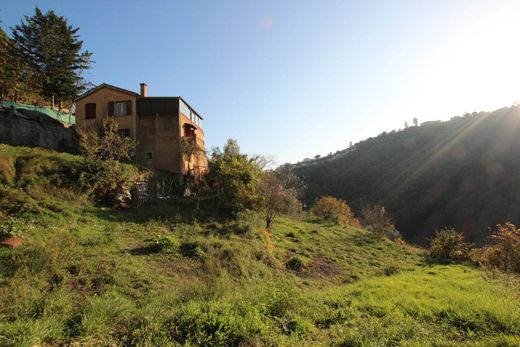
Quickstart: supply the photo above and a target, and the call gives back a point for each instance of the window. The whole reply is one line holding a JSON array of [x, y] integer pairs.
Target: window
[[90, 111], [120, 108], [189, 130], [124, 133], [148, 156], [185, 110]]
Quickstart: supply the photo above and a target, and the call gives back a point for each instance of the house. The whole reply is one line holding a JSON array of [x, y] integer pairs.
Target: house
[[157, 124]]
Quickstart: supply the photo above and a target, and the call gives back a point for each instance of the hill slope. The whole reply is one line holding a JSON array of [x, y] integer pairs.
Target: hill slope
[[94, 276], [463, 173]]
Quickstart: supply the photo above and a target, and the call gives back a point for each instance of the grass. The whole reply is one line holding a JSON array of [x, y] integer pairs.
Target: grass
[[94, 276]]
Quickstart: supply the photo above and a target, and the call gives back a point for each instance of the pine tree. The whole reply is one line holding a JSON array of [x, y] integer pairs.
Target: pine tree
[[53, 47], [15, 74]]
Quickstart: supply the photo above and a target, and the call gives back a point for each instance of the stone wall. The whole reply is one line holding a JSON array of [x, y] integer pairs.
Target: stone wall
[[34, 129]]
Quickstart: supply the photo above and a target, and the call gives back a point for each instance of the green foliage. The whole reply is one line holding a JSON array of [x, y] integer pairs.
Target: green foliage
[[28, 260], [86, 275], [192, 250], [458, 173], [448, 245], [234, 177], [166, 243], [329, 208], [40, 174], [215, 324], [17, 80], [10, 227], [53, 49], [504, 251]]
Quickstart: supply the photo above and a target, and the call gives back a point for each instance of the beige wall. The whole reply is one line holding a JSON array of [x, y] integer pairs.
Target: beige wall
[[101, 98]]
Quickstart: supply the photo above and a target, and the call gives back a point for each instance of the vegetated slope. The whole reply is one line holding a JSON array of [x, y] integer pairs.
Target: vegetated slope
[[95, 276], [463, 173]]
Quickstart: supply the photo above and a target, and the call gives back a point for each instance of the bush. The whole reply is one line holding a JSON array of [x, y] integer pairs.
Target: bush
[[296, 263], [448, 245], [233, 178], [40, 174], [504, 253], [101, 179], [336, 210], [192, 250], [9, 228], [166, 243], [379, 222]]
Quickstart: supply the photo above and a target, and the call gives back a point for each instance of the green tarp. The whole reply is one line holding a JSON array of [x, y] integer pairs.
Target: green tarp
[[63, 117]]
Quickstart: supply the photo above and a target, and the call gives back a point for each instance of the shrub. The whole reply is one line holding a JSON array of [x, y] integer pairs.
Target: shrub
[[448, 245], [101, 179], [336, 210], [277, 197], [10, 228], [40, 174], [504, 253], [192, 250], [104, 143], [391, 269], [166, 243], [296, 263], [378, 221], [234, 179]]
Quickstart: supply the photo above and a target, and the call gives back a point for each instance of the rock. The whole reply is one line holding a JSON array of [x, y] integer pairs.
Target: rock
[[12, 242]]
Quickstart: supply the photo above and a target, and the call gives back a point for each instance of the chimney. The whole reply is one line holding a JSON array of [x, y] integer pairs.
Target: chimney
[[144, 88]]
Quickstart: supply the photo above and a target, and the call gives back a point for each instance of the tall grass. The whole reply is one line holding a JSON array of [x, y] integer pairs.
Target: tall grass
[[91, 276]]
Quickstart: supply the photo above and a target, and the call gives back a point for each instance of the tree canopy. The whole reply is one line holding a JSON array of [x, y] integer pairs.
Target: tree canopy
[[51, 52]]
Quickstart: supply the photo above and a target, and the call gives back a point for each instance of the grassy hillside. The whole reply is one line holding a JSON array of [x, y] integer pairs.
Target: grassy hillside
[[92, 276], [462, 173]]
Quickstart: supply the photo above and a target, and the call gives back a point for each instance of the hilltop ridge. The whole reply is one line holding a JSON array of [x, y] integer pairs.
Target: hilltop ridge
[[462, 173]]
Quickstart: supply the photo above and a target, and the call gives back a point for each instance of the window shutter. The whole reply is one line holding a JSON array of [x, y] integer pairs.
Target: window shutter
[[129, 107], [90, 111], [111, 108]]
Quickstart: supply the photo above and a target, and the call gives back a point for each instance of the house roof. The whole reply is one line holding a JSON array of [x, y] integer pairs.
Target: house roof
[[106, 85], [103, 85]]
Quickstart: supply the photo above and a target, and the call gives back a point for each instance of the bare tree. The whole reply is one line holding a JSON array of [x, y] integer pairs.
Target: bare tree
[[104, 142], [277, 197], [190, 150]]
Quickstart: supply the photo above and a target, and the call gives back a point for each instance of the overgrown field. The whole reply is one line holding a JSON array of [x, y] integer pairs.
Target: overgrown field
[[163, 275]]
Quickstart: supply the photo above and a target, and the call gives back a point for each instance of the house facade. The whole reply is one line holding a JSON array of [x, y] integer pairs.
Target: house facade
[[157, 126]]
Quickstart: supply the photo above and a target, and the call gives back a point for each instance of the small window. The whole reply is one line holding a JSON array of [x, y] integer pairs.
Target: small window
[[189, 130], [90, 110], [124, 133], [148, 156]]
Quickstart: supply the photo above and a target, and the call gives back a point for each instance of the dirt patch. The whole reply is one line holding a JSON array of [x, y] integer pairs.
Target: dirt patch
[[321, 267]]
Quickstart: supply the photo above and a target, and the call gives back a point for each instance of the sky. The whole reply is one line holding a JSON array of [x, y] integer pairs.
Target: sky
[[296, 78]]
